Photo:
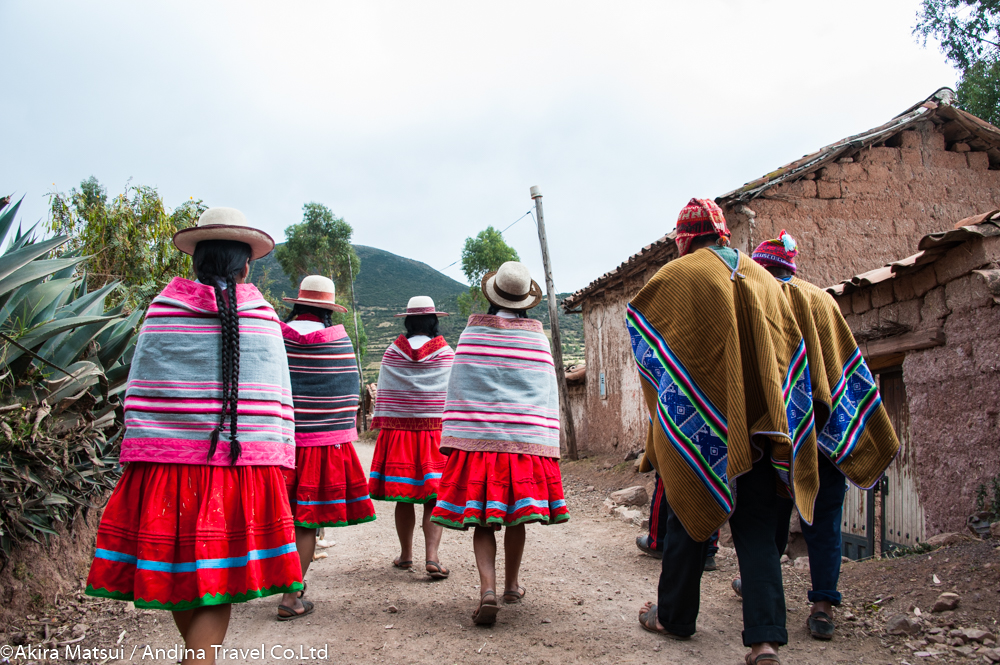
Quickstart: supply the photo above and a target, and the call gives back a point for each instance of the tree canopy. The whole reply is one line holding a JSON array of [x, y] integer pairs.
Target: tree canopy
[[321, 245], [482, 254], [128, 238], [969, 33]]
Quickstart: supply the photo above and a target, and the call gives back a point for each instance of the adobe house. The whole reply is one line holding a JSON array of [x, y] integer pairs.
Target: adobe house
[[854, 205], [929, 327]]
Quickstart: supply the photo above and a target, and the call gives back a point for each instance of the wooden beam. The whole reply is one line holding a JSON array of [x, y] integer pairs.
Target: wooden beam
[[911, 341], [879, 363]]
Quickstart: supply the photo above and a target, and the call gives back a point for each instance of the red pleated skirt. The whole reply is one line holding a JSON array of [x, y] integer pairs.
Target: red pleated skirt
[[328, 487], [499, 489], [407, 466], [180, 536]]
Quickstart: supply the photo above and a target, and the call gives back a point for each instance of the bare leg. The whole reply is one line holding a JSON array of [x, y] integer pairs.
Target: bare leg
[[205, 626], [762, 647], [824, 606], [513, 550], [484, 543], [183, 621], [305, 543], [406, 519], [432, 533]]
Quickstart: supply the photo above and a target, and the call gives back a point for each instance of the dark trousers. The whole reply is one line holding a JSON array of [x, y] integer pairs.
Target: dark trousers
[[754, 526], [658, 511], [823, 535]]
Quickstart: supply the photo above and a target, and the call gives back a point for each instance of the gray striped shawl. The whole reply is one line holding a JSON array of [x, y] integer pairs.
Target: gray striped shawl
[[502, 395], [413, 385]]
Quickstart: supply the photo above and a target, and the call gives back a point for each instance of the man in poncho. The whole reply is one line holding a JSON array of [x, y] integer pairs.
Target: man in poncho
[[857, 441], [726, 382]]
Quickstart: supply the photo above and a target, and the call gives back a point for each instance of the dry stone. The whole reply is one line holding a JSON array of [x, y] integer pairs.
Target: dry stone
[[995, 530], [977, 635], [901, 624], [946, 601], [945, 539], [631, 496]]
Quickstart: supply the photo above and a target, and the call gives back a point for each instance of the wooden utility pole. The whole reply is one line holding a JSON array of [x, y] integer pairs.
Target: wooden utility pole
[[550, 290]]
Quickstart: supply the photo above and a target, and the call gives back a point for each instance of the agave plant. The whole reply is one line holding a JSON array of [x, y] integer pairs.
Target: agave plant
[[64, 360]]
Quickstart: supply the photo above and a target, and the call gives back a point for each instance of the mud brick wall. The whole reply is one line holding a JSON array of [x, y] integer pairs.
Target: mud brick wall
[[953, 391], [859, 215]]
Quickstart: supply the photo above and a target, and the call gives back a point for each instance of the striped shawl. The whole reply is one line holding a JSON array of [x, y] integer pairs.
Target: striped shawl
[[722, 362], [854, 428], [413, 385], [502, 394], [325, 385], [174, 392]]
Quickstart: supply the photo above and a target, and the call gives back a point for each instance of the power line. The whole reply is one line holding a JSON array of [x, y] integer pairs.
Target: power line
[[501, 233]]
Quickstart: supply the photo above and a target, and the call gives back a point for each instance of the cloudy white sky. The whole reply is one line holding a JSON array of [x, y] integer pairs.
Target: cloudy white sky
[[423, 122]]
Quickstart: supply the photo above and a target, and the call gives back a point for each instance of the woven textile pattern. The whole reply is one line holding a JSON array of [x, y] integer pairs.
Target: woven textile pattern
[[854, 429], [413, 385], [325, 385], [502, 394], [733, 371], [174, 392]]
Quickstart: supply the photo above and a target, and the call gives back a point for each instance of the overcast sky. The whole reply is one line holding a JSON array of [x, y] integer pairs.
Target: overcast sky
[[423, 122]]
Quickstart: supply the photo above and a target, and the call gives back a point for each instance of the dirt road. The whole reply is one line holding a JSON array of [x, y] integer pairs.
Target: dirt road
[[586, 581]]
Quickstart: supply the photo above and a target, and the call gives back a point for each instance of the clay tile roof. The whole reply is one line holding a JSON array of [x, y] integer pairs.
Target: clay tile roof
[[956, 125], [932, 247]]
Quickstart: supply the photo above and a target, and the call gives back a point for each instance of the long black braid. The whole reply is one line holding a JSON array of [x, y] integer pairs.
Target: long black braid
[[218, 263], [324, 315]]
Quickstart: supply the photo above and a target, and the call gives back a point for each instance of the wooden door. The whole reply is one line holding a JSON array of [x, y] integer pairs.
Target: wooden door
[[902, 514], [857, 529]]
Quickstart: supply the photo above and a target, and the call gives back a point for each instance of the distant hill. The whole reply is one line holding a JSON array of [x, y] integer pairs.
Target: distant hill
[[384, 285]]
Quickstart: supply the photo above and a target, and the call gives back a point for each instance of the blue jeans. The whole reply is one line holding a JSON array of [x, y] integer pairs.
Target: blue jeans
[[823, 535]]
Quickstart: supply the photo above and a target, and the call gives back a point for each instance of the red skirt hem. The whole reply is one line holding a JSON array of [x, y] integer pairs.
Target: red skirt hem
[[407, 466], [328, 487]]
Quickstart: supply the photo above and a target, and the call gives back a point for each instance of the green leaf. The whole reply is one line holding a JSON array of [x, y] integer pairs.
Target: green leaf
[[32, 271], [39, 335], [54, 499], [7, 218]]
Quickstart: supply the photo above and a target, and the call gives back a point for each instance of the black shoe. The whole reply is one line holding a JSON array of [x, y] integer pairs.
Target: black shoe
[[642, 542], [820, 626], [738, 587], [710, 564]]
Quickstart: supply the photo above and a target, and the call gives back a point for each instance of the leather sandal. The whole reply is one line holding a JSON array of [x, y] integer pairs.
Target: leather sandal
[[820, 626], [439, 572], [511, 597], [290, 614], [405, 565], [486, 613], [763, 658], [648, 622]]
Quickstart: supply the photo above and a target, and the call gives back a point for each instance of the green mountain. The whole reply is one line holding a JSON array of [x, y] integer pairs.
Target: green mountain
[[384, 285]]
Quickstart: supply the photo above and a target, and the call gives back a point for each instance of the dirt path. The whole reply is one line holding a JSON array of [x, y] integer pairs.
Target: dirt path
[[585, 580]]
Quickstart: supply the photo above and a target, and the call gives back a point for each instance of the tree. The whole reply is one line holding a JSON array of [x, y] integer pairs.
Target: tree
[[482, 254], [128, 239], [321, 245], [969, 32]]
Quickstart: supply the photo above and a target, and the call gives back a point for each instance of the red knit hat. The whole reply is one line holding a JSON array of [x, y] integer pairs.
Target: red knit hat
[[780, 252], [700, 217]]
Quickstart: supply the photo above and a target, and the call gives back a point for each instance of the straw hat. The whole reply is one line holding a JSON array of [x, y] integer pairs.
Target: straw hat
[[420, 305], [224, 224], [317, 291], [511, 287]]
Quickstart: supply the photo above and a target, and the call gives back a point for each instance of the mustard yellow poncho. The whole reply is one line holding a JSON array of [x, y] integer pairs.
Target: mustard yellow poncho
[[722, 362]]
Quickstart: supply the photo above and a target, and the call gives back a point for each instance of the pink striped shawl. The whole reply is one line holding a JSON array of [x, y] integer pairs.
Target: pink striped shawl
[[174, 391], [502, 395], [413, 385]]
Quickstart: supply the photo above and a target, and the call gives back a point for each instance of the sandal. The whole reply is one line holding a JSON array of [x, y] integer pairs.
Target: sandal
[[291, 614], [302, 592], [763, 658], [486, 613], [405, 565], [648, 622], [820, 626], [439, 572], [511, 597]]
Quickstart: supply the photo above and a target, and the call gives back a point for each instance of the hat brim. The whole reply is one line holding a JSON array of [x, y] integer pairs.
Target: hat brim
[[260, 243], [532, 299], [424, 314], [322, 304]]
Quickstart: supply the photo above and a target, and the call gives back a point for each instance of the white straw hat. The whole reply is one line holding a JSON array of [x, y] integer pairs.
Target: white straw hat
[[318, 291], [420, 305], [511, 287], [224, 224]]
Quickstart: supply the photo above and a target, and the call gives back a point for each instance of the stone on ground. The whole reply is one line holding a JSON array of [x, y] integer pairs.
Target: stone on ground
[[901, 624], [631, 496], [946, 601]]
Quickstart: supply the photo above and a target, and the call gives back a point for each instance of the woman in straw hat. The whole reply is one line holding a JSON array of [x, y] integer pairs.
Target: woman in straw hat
[[412, 386], [327, 487], [199, 518], [501, 432]]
